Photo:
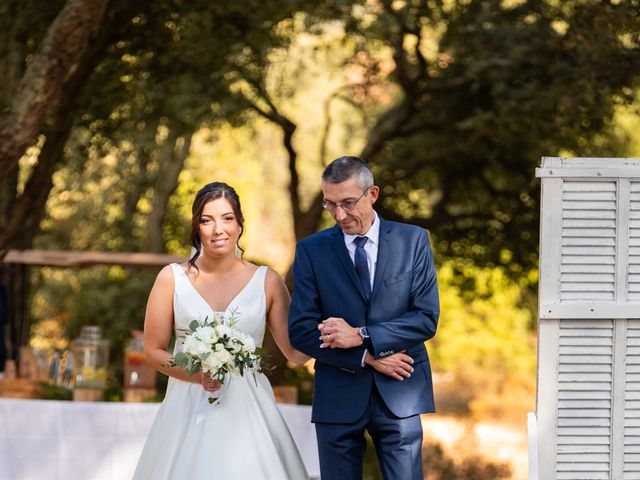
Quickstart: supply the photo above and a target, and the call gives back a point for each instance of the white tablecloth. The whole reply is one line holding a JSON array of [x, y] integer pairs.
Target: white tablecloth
[[55, 440]]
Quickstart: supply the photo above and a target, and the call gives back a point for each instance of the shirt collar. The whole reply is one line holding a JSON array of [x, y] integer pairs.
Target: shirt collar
[[373, 234]]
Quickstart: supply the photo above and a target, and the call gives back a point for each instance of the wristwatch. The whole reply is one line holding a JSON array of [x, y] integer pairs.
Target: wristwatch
[[364, 334]]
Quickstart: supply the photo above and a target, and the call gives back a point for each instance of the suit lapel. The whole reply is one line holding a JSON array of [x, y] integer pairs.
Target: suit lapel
[[384, 250], [337, 242]]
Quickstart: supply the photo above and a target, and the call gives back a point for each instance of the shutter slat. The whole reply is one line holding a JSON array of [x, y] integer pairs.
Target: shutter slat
[[594, 440], [584, 458], [589, 268], [583, 467], [579, 422], [591, 251], [583, 368], [581, 186], [581, 260], [587, 296], [589, 241], [573, 289], [584, 476], [588, 204], [584, 404], [585, 341], [599, 196], [595, 413], [583, 448], [584, 377], [577, 395], [587, 232], [591, 350], [587, 277], [596, 359], [590, 215], [605, 223], [588, 326]]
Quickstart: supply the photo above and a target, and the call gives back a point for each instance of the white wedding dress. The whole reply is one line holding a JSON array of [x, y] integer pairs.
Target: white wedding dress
[[242, 436]]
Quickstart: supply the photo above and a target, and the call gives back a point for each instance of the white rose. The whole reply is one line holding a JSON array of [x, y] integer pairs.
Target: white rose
[[223, 355], [193, 346], [212, 363], [206, 334], [225, 330], [248, 345], [235, 347]]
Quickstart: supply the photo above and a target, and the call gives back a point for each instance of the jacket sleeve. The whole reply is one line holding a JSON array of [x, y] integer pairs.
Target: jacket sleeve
[[419, 323], [305, 314]]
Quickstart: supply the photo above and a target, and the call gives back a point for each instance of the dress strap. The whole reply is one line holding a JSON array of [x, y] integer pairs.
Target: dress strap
[[179, 277], [262, 273], [178, 271]]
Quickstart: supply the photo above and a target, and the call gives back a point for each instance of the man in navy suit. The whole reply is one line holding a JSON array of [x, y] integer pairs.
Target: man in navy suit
[[365, 300]]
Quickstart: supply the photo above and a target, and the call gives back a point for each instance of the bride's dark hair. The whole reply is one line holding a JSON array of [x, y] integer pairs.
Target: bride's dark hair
[[211, 191]]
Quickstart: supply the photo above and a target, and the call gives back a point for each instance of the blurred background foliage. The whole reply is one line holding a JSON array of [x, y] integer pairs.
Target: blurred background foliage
[[452, 103]]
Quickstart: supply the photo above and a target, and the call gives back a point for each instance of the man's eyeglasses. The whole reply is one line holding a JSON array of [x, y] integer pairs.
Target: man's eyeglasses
[[347, 204]]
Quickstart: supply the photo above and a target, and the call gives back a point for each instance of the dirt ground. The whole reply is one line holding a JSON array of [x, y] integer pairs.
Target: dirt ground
[[501, 442]]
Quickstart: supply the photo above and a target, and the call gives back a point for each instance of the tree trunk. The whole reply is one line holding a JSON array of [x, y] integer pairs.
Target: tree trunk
[[12, 60], [42, 85], [137, 185], [172, 156], [24, 213]]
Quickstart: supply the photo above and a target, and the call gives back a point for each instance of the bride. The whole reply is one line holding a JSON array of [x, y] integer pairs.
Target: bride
[[242, 435]]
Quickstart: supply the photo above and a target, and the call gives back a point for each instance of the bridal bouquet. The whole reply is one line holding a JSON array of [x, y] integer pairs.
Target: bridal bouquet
[[217, 347]]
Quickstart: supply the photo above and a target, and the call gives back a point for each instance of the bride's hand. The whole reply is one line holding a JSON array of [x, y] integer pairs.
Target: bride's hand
[[210, 384]]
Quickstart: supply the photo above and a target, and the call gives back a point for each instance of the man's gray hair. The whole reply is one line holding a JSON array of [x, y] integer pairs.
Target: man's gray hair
[[345, 168]]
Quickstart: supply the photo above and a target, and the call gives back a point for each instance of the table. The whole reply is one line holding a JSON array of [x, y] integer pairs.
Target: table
[[58, 440]]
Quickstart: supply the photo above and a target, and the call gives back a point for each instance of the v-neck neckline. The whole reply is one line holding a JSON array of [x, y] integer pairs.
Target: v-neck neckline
[[204, 300]]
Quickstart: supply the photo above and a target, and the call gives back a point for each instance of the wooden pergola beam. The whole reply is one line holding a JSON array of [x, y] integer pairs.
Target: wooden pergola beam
[[70, 259]]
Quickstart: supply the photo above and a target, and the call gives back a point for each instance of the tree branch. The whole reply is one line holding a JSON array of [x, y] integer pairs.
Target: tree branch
[[288, 129], [390, 123], [436, 156], [387, 127], [327, 126]]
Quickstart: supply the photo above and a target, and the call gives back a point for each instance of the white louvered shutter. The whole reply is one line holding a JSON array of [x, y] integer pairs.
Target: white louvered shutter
[[588, 397]]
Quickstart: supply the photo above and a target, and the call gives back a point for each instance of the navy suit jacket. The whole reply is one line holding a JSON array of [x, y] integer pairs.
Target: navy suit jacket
[[401, 314]]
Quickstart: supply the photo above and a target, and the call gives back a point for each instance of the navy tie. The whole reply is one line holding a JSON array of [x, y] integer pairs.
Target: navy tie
[[362, 266]]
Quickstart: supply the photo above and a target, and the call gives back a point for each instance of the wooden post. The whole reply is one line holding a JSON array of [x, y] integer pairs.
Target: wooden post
[[87, 394], [286, 393], [138, 394]]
